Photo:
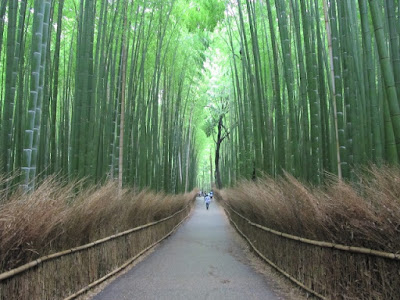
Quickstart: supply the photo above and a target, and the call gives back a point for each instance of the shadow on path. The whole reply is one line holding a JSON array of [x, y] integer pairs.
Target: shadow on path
[[202, 260]]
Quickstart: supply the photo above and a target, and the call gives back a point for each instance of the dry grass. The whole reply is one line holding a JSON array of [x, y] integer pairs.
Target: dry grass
[[365, 214], [56, 217]]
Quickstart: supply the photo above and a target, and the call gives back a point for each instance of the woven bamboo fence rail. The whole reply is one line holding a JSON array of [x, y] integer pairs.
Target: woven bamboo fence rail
[[326, 270], [70, 273]]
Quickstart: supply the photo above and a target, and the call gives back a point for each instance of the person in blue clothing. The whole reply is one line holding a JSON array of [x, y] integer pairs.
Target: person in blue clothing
[[211, 195], [207, 200]]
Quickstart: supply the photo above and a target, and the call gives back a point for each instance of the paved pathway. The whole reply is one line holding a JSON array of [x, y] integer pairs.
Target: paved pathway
[[202, 260]]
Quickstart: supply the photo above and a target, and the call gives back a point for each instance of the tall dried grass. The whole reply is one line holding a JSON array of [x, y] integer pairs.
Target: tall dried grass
[[56, 217], [366, 214]]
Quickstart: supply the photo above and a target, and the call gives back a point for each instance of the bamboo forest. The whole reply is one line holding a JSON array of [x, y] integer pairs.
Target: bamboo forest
[[275, 105], [131, 89]]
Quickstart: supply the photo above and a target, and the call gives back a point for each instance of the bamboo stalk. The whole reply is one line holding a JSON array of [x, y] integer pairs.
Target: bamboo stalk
[[122, 117], [332, 73]]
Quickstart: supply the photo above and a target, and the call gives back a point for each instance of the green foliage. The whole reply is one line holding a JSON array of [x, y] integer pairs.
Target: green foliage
[[209, 127], [203, 15]]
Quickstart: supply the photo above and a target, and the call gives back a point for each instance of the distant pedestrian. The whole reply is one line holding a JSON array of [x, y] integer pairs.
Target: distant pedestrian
[[207, 200], [211, 195]]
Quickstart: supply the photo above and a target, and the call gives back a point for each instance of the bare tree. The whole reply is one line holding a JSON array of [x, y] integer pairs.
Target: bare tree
[[216, 121]]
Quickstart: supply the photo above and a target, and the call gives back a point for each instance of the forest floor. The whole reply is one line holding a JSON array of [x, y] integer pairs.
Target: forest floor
[[204, 259]]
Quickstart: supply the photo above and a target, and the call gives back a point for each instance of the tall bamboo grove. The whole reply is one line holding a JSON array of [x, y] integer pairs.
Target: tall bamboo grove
[[100, 90], [315, 87]]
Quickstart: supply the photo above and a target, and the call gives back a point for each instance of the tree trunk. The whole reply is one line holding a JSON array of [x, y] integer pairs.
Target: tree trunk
[[211, 171], [217, 154]]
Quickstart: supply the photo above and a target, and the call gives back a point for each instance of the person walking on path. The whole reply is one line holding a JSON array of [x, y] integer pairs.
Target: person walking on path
[[207, 200]]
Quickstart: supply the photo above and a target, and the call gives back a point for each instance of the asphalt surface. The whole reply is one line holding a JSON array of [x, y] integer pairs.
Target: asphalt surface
[[202, 260]]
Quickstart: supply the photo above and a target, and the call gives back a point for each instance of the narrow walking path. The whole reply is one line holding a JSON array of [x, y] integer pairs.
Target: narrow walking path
[[202, 260]]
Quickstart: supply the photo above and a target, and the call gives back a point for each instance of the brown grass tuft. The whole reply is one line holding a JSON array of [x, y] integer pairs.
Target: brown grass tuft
[[56, 217], [366, 214]]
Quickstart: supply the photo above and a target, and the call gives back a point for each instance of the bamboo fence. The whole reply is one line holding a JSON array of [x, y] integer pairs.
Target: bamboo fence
[[72, 272], [326, 270]]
